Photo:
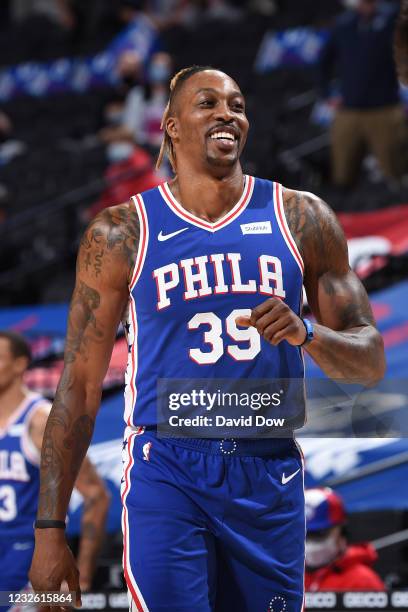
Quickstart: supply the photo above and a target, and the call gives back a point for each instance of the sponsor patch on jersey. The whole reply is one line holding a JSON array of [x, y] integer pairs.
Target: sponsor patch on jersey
[[260, 227]]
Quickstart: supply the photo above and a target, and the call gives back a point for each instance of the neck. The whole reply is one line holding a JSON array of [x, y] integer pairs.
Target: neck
[[10, 399], [206, 196]]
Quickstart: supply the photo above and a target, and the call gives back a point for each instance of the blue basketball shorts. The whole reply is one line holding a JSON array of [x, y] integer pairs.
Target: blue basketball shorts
[[213, 525], [15, 561]]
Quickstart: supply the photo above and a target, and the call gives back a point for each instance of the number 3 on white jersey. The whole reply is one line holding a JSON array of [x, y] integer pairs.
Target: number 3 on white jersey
[[8, 509], [213, 336]]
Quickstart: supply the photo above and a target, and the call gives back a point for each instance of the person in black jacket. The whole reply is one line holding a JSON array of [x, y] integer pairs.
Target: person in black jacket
[[401, 43], [369, 113]]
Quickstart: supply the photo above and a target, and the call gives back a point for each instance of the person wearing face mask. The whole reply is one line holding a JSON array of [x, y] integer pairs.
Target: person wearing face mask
[[130, 167], [331, 563], [139, 119], [143, 119]]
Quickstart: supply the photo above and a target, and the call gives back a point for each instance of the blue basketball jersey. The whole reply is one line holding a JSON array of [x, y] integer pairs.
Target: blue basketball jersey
[[192, 279], [19, 473]]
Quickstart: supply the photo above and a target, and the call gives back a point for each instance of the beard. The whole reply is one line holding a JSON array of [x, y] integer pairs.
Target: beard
[[222, 162]]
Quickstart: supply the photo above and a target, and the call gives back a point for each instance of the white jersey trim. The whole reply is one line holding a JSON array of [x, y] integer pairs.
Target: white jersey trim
[[228, 218], [302, 458], [131, 369], [284, 228], [143, 239], [136, 598], [27, 445], [16, 414]]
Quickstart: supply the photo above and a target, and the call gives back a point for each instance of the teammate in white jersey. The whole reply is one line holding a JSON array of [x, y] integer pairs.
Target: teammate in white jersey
[[23, 416]]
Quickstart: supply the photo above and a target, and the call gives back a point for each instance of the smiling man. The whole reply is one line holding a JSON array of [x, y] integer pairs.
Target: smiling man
[[206, 273]]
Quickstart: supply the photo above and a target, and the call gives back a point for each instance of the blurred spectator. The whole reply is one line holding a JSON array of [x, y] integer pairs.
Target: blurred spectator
[[144, 110], [331, 563], [135, 122], [126, 177], [129, 93], [368, 112], [401, 43], [140, 119], [140, 34]]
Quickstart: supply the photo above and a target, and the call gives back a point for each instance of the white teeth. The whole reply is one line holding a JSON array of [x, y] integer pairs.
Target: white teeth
[[226, 135]]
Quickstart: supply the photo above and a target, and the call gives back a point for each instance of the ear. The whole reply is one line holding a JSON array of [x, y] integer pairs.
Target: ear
[[172, 128], [20, 365]]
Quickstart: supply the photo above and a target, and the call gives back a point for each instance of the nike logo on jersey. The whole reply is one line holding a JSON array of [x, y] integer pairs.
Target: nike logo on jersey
[[286, 479], [162, 237]]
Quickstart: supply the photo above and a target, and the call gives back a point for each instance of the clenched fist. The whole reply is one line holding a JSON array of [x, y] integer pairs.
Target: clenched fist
[[275, 322]]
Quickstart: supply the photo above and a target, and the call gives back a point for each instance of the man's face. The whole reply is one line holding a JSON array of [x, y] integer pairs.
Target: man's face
[[10, 366], [322, 547], [210, 126]]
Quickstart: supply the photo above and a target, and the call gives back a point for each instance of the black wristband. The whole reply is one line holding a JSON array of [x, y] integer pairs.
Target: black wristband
[[49, 524]]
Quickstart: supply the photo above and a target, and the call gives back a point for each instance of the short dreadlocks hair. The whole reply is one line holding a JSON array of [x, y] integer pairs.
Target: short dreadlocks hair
[[176, 84]]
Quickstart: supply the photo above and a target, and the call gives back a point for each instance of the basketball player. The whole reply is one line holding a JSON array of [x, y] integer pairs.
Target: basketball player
[[401, 43], [207, 274], [23, 416]]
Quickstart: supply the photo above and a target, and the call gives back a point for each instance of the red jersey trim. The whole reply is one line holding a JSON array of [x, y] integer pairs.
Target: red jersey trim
[[143, 239], [237, 209], [284, 228]]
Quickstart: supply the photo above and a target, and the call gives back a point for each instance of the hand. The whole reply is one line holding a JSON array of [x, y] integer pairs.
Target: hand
[[85, 581], [275, 322], [53, 562]]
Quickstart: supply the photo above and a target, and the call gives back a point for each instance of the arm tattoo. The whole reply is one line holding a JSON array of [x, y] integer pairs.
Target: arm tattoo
[[52, 461], [76, 435], [315, 229], [115, 231], [83, 329], [105, 263], [347, 344], [321, 241], [78, 441]]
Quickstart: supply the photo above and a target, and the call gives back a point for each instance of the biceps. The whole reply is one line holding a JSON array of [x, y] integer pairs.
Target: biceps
[[340, 301]]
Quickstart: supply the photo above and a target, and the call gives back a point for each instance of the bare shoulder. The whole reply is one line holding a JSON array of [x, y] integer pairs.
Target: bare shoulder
[[37, 422], [110, 241], [315, 228], [40, 414]]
